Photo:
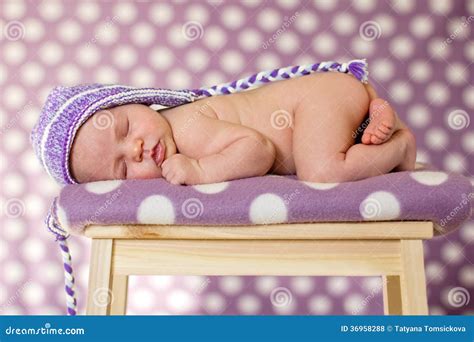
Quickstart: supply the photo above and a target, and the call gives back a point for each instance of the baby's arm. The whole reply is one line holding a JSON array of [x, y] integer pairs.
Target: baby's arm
[[231, 151]]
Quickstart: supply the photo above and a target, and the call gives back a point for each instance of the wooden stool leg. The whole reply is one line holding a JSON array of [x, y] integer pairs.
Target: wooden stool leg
[[119, 295], [99, 294], [392, 295]]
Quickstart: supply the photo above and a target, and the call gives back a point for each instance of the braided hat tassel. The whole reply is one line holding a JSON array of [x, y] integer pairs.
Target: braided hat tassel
[[61, 236], [356, 67]]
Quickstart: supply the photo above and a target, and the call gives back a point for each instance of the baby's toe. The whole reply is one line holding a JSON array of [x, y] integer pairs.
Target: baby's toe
[[366, 138], [384, 129], [381, 135], [375, 140]]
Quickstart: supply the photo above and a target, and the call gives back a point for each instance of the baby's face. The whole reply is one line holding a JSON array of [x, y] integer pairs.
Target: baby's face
[[125, 142]]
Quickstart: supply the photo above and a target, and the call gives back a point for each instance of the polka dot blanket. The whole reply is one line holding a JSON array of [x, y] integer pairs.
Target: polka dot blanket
[[424, 194]]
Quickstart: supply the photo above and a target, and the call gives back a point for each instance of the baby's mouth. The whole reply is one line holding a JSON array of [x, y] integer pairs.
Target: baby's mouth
[[158, 153]]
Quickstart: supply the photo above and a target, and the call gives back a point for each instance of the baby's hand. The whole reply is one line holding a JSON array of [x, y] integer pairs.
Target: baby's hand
[[179, 169]]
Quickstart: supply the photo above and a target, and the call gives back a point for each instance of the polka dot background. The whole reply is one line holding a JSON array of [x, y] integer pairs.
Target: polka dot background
[[420, 56]]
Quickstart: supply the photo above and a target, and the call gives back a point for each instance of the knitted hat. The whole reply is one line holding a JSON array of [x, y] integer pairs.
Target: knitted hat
[[67, 108]]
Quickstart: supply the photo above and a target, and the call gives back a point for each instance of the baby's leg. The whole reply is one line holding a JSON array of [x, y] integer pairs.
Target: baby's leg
[[323, 142]]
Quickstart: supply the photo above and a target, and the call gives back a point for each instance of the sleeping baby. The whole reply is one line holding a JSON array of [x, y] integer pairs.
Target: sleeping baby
[[323, 127]]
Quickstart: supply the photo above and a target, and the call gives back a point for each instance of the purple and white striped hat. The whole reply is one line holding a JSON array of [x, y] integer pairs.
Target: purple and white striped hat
[[67, 108]]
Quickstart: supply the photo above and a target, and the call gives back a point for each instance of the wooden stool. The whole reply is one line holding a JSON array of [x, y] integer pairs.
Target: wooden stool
[[392, 249]]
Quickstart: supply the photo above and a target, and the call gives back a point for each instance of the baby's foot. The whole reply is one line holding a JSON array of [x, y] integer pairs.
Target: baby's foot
[[382, 124], [408, 162]]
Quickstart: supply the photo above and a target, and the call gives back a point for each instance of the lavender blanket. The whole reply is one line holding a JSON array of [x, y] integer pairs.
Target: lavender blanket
[[424, 194]]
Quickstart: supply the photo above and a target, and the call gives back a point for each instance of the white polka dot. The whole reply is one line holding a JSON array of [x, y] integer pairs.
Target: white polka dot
[[402, 47], [402, 6], [69, 74], [197, 13], [33, 250], [364, 6], [69, 31], [14, 53], [33, 293], [232, 17], [268, 61], [232, 61], [35, 205], [88, 55], [13, 9], [320, 305], [455, 162], [401, 91], [161, 13], [142, 298], [372, 284], [50, 10], [456, 73], [440, 7], [142, 77], [178, 78], [467, 142], [324, 43], [452, 253], [438, 48], [458, 28], [214, 303], [212, 188], [13, 184], [52, 272], [212, 77], [362, 47], [387, 24], [337, 285], [344, 23], [419, 116], [325, 5], [429, 177], [125, 12], [422, 26], [214, 37], [467, 231], [287, 43], [142, 34], [268, 208], [420, 70], [50, 53], [468, 96], [124, 57], [436, 139], [14, 141], [14, 96], [4, 251], [435, 272], [380, 205], [162, 282], [321, 186], [161, 58], [231, 285], [34, 29], [355, 304], [306, 22], [382, 69], [250, 39], [102, 187], [466, 276], [269, 19], [156, 209], [88, 11], [437, 93], [265, 284], [180, 301], [32, 73], [248, 304], [106, 32], [302, 285], [106, 74], [13, 272], [14, 229]]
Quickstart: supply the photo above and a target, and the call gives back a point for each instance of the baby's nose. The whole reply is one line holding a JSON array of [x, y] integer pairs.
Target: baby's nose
[[138, 150]]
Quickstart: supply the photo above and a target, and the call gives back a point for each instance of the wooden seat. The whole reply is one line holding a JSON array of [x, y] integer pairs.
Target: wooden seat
[[391, 249]]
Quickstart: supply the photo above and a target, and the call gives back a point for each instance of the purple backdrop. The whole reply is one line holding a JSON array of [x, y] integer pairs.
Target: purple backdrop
[[420, 58]]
